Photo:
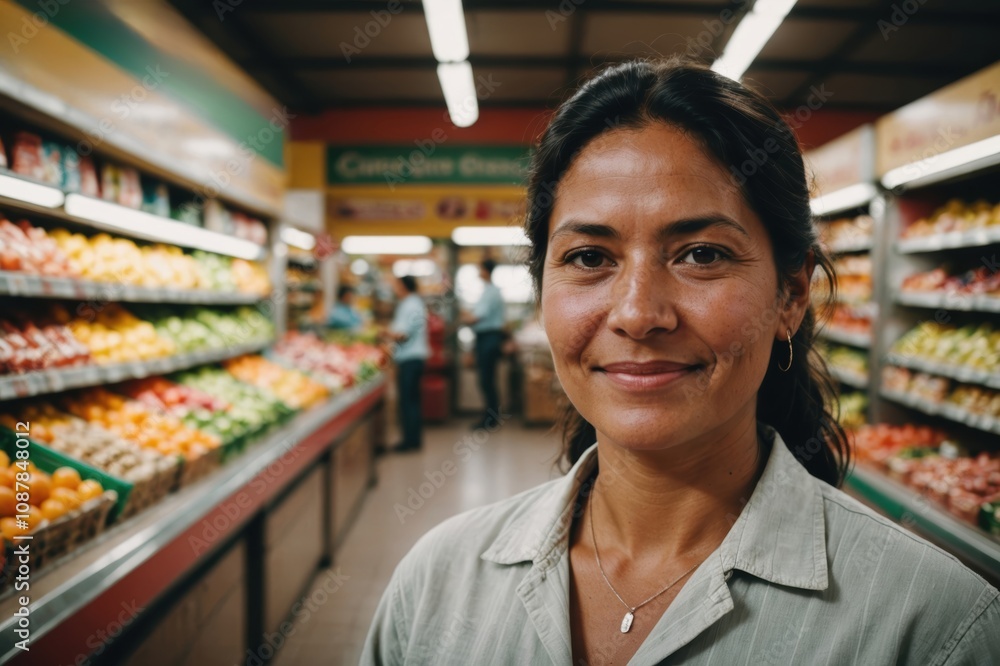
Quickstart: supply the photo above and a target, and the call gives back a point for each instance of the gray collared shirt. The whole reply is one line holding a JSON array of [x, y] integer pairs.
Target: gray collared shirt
[[806, 575]]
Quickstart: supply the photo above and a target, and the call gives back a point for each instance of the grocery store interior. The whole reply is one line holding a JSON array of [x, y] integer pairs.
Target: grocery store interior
[[206, 210]]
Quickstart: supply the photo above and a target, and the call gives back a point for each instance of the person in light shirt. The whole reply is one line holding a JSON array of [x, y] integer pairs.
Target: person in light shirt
[[701, 520], [487, 321], [344, 315], [408, 331]]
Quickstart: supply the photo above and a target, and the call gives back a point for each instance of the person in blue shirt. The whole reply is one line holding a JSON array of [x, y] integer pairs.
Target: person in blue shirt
[[409, 333], [344, 316], [487, 320]]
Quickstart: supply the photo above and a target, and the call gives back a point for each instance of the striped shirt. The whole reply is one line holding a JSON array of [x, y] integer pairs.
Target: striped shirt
[[806, 575]]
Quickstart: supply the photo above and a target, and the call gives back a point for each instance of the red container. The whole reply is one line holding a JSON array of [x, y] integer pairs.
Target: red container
[[434, 398]]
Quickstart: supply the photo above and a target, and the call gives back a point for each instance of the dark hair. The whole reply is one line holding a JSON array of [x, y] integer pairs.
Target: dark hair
[[736, 126], [344, 290], [488, 265], [410, 283]]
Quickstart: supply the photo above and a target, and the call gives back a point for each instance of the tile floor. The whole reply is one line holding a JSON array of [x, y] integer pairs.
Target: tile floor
[[511, 460]]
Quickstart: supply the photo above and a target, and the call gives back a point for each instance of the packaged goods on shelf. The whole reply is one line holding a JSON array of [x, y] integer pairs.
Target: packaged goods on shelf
[[854, 278], [847, 359], [919, 384], [975, 281], [28, 249], [955, 215], [39, 342], [877, 443], [847, 233], [852, 409], [972, 346], [292, 387]]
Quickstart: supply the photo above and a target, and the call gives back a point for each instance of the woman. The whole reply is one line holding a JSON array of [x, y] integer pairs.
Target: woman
[[672, 249]]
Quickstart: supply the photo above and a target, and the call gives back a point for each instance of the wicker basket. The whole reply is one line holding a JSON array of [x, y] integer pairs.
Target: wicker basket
[[57, 538], [194, 469], [153, 488]]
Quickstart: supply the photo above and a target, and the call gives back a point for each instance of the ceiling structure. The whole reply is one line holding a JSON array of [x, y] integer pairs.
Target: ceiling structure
[[870, 55]]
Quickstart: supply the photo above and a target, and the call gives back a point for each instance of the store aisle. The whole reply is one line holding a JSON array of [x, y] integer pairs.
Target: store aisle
[[487, 469]]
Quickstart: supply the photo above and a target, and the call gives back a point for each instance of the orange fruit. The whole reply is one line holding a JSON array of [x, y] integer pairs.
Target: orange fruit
[[66, 477], [39, 487], [35, 518], [68, 497], [52, 509], [9, 528], [4, 459], [89, 489], [7, 477], [8, 501]]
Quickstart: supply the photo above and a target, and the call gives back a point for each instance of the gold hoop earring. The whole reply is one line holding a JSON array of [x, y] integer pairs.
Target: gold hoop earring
[[791, 353]]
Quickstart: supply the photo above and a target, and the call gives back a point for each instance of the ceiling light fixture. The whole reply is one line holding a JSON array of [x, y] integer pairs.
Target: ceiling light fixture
[[489, 236], [300, 239], [750, 36], [446, 25], [459, 90], [386, 245]]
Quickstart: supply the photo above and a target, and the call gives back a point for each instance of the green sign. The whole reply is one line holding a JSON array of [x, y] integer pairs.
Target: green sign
[[427, 163]]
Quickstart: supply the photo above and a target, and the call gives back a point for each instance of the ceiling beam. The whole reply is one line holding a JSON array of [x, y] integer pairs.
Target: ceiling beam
[[908, 70], [924, 16]]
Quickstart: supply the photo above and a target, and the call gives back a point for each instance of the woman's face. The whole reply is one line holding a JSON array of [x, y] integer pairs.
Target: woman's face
[[659, 290]]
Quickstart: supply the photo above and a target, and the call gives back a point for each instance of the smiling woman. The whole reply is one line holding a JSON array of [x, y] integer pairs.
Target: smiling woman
[[700, 522]]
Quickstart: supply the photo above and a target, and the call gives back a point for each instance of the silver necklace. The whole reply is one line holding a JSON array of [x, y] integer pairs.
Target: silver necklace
[[630, 614]]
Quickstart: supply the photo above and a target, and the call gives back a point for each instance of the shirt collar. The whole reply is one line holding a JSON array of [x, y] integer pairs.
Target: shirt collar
[[780, 536]]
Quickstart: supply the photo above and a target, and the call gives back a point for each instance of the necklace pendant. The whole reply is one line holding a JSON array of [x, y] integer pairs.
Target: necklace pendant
[[627, 622]]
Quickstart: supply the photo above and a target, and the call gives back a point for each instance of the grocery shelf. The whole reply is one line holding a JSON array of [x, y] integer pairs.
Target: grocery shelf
[[905, 505], [43, 286], [951, 240], [949, 301], [849, 377], [53, 381], [142, 226], [304, 287], [946, 410], [860, 245], [156, 546], [846, 337], [956, 372]]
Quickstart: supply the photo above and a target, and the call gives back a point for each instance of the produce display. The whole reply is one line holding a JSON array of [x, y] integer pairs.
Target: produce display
[[28, 249], [853, 407], [955, 215], [103, 258], [86, 442], [337, 366], [37, 343], [115, 335], [846, 232], [199, 409], [850, 320], [51, 496], [877, 443], [138, 423], [193, 329], [968, 398], [251, 408], [972, 346], [292, 387], [972, 282], [847, 359]]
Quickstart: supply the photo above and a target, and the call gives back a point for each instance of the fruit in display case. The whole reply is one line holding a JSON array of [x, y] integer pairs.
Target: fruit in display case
[[197, 409], [849, 320], [848, 359], [852, 409], [138, 423], [877, 443], [973, 346], [846, 231], [292, 387], [976, 281], [251, 277], [50, 497], [955, 215], [959, 483], [216, 270], [338, 365], [28, 249], [251, 408], [39, 342], [116, 335], [192, 329], [932, 388], [86, 442]]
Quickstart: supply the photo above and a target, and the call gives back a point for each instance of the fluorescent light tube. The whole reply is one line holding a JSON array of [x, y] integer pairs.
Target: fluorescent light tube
[[935, 164], [414, 267], [300, 239], [446, 25], [489, 236], [140, 224], [750, 36], [386, 245], [13, 187], [843, 199], [459, 90]]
